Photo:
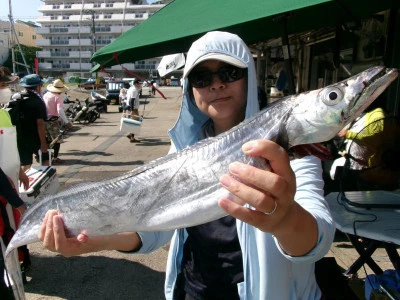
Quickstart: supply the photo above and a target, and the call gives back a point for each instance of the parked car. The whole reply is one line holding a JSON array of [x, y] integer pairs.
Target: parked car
[[112, 90], [91, 84]]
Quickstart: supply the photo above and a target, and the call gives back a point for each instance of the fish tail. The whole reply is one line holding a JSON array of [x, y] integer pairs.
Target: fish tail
[[14, 274]]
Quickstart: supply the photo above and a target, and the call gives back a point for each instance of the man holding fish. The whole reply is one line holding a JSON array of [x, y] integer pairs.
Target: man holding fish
[[278, 224]]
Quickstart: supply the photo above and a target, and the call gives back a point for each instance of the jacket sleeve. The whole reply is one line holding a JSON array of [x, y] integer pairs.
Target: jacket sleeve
[[310, 196], [151, 241], [8, 192]]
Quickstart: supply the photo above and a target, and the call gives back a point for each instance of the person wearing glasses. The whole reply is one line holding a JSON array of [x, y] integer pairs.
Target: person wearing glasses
[[265, 249]]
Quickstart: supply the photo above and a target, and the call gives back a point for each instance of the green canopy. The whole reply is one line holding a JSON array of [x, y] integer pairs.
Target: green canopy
[[173, 28]]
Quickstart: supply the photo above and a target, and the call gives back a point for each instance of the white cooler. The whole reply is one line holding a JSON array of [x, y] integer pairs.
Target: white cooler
[[129, 125], [43, 180]]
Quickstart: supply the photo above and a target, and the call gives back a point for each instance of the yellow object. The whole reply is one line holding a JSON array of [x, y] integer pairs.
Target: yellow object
[[5, 119]]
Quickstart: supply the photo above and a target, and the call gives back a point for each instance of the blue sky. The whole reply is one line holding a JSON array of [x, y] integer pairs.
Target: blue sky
[[25, 10]]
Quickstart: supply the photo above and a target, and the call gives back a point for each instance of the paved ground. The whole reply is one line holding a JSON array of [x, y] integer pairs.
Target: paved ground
[[99, 151]]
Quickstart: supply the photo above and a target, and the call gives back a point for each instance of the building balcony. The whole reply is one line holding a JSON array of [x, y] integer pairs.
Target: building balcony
[[42, 43], [64, 30], [69, 54], [119, 68], [45, 66], [63, 42], [133, 17], [66, 67], [79, 67]]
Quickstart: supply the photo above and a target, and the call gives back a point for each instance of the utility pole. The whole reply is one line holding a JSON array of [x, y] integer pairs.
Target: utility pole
[[92, 12], [14, 38]]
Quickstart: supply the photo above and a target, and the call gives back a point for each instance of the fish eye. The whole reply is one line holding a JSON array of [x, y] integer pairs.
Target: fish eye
[[332, 96]]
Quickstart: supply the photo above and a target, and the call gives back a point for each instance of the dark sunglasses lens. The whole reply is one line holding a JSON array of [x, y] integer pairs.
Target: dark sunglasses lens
[[230, 73], [200, 79]]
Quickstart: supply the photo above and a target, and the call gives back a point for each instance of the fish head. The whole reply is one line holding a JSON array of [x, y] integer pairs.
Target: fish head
[[320, 114]]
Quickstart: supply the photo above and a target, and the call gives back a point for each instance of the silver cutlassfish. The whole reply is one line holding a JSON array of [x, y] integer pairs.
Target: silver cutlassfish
[[182, 189]]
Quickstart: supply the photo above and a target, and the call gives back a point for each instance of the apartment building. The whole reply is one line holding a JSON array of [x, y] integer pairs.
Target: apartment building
[[73, 30], [25, 32]]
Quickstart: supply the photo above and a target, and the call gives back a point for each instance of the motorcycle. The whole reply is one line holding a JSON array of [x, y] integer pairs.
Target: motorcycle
[[99, 101], [83, 114], [70, 111]]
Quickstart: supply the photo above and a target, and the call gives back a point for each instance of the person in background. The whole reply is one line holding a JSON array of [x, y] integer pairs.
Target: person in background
[[133, 98], [373, 121], [32, 115], [123, 100], [11, 205], [55, 108], [153, 87], [263, 249], [6, 122]]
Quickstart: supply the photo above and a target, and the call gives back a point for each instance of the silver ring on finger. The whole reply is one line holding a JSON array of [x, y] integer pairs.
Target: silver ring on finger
[[273, 210]]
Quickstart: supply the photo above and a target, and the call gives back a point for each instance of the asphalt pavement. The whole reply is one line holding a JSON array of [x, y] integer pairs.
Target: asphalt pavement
[[92, 153]]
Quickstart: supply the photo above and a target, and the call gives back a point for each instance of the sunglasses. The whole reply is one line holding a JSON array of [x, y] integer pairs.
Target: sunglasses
[[203, 77]]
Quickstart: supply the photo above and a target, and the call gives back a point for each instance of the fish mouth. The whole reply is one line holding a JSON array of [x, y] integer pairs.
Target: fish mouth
[[374, 81]]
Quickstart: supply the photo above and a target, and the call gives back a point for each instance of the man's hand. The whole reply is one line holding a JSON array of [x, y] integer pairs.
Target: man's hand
[[24, 179]]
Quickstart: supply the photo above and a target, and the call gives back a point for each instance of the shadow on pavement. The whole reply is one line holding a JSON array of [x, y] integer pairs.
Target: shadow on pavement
[[93, 277]]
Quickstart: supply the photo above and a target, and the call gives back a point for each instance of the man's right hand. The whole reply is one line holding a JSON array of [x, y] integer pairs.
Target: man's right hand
[[52, 234]]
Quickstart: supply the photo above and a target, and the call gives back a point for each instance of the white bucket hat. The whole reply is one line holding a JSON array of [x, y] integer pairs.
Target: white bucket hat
[[57, 87]]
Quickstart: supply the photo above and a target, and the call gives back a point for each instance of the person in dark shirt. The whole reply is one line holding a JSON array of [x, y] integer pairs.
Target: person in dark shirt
[[32, 116]]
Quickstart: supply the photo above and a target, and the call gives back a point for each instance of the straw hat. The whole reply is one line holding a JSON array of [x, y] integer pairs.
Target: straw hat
[[6, 77], [57, 87]]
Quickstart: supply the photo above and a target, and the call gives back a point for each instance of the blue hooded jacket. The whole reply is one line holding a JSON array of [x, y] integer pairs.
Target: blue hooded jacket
[[269, 273]]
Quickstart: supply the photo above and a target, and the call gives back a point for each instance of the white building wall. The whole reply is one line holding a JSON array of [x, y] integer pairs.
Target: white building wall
[[67, 33]]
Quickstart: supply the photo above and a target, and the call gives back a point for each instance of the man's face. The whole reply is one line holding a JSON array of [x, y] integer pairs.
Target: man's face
[[221, 100]]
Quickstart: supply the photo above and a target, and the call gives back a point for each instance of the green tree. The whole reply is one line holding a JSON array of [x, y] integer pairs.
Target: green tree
[[29, 54]]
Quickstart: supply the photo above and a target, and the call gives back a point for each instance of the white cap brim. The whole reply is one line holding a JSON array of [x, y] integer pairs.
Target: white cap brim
[[217, 56]]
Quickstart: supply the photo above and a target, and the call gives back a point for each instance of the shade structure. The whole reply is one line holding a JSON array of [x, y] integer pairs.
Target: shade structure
[[170, 63], [95, 68], [174, 27]]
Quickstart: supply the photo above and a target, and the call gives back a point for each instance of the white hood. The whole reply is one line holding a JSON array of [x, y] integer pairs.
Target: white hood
[[188, 126]]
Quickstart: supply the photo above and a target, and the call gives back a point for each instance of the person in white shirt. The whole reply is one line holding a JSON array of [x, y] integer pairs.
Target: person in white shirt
[[123, 100], [133, 98]]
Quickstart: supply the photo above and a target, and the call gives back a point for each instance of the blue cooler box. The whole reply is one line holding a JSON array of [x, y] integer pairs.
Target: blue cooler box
[[131, 125]]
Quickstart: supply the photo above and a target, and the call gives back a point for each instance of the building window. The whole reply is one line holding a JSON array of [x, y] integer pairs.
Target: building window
[[65, 17], [96, 5], [109, 4], [20, 33], [107, 16], [33, 37]]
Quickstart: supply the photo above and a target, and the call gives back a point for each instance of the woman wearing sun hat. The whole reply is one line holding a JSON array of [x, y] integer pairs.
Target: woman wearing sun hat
[[55, 108]]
